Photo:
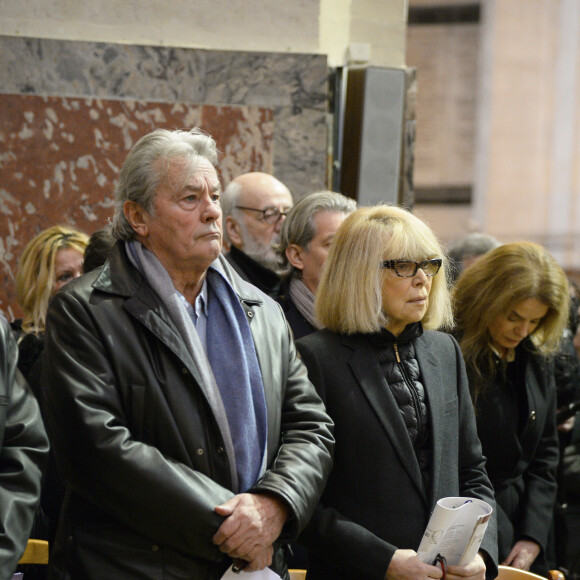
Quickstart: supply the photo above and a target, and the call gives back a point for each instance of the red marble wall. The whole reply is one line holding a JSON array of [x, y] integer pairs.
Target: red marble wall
[[60, 157]]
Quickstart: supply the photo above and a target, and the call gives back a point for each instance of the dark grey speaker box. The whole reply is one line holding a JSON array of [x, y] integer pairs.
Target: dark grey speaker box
[[372, 159]]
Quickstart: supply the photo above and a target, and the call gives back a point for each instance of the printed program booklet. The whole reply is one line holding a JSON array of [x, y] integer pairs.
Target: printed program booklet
[[265, 574], [455, 530]]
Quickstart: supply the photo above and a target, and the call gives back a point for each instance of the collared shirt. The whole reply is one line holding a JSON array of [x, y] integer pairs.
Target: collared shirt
[[198, 313], [510, 355]]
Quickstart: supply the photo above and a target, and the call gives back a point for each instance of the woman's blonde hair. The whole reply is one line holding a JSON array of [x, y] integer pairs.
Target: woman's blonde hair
[[496, 283], [349, 296], [35, 277]]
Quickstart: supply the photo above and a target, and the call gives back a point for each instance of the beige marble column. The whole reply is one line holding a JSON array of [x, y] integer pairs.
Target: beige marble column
[[526, 183]]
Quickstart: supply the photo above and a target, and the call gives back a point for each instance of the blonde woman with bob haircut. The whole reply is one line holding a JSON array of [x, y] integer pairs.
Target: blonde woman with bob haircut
[[50, 260], [349, 298], [397, 392], [511, 308]]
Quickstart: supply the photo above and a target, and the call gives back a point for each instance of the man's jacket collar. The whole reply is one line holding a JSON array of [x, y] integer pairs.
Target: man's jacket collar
[[118, 276]]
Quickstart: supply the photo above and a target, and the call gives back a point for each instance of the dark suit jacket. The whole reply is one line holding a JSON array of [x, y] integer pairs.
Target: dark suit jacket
[[374, 502]]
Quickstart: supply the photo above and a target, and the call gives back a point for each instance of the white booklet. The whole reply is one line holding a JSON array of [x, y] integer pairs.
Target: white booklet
[[265, 574], [455, 530]]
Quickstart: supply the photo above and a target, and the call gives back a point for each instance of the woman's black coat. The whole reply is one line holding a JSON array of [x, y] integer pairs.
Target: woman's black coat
[[522, 453], [374, 501]]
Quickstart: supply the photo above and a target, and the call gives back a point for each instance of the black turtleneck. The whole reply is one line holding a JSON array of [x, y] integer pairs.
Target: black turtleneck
[[266, 280]]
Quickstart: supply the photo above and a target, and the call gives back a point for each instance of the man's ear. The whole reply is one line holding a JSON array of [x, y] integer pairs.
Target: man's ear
[[137, 217], [294, 255], [234, 231]]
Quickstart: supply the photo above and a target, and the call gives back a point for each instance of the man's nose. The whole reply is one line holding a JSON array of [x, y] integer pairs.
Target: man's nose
[[212, 209], [278, 224]]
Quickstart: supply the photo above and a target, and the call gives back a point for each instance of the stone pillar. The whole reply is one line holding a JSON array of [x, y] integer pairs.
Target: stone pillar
[[527, 178]]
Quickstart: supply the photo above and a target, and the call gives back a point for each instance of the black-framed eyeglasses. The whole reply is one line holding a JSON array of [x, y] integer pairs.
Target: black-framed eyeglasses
[[408, 268], [270, 215]]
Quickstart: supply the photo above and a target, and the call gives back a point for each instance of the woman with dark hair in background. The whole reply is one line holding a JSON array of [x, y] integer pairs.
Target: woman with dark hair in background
[[99, 247], [511, 308]]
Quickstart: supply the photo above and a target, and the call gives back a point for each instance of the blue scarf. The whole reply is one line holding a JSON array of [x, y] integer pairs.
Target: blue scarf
[[232, 356]]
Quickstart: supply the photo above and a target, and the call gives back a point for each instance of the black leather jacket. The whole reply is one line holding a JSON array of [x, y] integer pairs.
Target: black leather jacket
[[138, 443], [23, 454]]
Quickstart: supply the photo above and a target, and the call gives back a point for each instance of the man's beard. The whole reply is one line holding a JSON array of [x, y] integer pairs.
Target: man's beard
[[265, 256]]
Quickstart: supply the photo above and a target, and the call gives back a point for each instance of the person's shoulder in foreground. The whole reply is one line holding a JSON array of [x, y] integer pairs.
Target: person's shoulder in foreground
[[23, 454]]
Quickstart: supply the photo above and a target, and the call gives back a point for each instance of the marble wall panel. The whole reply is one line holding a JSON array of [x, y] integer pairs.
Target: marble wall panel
[[295, 85], [267, 111], [60, 158]]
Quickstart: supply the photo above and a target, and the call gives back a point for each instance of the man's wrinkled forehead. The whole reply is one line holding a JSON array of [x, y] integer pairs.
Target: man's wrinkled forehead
[[263, 195], [178, 171]]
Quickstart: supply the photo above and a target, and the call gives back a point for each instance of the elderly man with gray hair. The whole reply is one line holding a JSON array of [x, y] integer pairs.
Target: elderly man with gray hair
[[305, 240], [467, 250], [187, 432], [254, 206]]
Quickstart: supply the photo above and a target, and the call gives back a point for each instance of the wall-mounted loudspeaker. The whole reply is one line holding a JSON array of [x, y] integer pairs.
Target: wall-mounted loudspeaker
[[372, 159]]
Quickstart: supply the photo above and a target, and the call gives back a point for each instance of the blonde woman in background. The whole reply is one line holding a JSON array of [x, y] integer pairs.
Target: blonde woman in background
[[511, 308], [50, 260]]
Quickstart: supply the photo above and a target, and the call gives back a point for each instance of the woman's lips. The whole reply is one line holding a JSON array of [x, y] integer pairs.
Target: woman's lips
[[418, 300]]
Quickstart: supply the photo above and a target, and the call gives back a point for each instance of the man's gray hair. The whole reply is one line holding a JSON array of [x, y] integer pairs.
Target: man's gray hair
[[471, 245], [299, 227], [229, 201], [147, 165]]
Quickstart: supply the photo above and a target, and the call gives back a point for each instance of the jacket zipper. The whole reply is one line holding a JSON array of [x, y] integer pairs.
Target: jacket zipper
[[412, 390]]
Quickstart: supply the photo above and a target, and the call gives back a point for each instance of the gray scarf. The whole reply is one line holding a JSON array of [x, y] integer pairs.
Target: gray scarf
[[303, 300]]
